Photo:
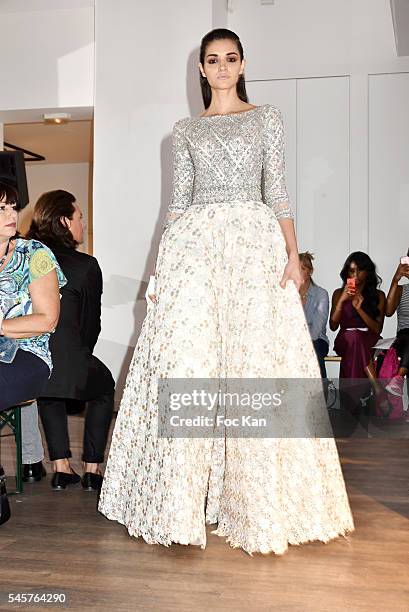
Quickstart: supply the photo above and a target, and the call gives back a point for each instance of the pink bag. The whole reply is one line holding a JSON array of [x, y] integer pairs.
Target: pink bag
[[388, 369]]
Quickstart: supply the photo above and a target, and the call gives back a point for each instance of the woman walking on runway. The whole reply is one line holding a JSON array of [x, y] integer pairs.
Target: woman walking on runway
[[226, 306]]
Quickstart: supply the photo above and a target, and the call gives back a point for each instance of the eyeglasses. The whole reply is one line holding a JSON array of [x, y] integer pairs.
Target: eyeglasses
[[7, 206]]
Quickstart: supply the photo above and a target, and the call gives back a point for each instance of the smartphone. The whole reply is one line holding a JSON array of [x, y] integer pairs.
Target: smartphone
[[405, 260], [351, 284]]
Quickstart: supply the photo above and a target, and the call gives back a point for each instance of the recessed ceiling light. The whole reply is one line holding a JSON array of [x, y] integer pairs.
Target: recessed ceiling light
[[56, 118]]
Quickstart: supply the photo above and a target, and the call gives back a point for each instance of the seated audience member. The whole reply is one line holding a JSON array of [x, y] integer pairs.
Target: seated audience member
[[315, 301], [358, 309], [77, 375], [398, 301], [30, 278]]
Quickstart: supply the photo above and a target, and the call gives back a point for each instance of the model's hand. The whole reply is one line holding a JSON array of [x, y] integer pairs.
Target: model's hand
[[292, 271], [150, 291], [357, 300]]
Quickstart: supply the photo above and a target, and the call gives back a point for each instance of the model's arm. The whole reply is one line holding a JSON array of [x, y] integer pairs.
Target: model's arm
[[183, 179], [183, 174], [395, 290], [274, 190]]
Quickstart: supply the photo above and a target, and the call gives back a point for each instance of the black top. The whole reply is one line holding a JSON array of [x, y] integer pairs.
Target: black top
[[79, 325]]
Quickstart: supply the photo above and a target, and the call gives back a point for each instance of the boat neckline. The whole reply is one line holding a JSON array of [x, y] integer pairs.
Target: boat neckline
[[244, 112]]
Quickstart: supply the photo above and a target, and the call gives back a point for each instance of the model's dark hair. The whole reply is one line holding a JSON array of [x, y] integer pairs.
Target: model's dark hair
[[8, 193], [220, 34], [372, 281], [47, 225]]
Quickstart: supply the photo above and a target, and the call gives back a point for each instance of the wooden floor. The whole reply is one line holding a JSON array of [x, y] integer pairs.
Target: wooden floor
[[57, 542]]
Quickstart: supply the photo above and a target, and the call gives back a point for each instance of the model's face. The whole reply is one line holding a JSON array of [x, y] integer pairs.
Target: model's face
[[222, 66], [305, 273], [76, 225], [8, 220], [357, 273]]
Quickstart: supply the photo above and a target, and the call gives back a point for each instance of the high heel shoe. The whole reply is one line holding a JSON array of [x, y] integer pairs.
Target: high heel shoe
[[33, 472], [91, 481], [61, 480]]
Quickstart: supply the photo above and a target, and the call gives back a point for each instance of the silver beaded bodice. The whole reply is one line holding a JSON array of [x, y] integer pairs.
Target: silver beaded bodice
[[227, 158]]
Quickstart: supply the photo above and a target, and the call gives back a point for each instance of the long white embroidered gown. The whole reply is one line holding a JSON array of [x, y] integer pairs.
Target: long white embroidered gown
[[221, 313]]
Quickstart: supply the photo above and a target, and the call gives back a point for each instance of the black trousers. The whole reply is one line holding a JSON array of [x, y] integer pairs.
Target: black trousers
[[100, 404], [23, 379], [401, 345]]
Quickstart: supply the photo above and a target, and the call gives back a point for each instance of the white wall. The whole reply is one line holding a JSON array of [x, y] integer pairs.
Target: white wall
[[332, 67], [314, 59], [46, 177], [146, 79], [47, 58], [297, 38]]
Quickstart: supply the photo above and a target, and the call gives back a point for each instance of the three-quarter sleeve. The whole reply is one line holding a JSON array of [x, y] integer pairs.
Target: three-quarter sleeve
[[274, 189], [183, 174]]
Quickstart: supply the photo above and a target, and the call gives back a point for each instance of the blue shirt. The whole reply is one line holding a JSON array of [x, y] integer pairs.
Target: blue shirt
[[30, 260], [316, 311]]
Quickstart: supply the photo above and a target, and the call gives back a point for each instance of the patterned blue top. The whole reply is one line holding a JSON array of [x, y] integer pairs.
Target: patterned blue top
[[30, 260]]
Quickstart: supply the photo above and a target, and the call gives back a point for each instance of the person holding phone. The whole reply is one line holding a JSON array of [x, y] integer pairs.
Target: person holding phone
[[358, 309], [398, 301]]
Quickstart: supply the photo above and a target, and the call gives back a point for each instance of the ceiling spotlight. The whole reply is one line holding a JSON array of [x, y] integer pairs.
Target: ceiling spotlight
[[56, 118]]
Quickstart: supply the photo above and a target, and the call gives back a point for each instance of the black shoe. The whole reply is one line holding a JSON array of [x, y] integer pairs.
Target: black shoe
[[61, 480], [33, 472], [4, 502], [91, 481]]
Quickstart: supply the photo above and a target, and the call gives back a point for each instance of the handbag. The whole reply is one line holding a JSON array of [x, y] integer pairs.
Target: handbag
[[4, 502], [8, 349], [388, 369], [8, 346]]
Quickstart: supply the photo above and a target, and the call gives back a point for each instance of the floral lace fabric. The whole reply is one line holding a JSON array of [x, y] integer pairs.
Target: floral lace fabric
[[220, 313]]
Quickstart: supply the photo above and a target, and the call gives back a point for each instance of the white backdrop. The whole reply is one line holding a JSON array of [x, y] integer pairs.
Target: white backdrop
[[332, 69], [46, 177]]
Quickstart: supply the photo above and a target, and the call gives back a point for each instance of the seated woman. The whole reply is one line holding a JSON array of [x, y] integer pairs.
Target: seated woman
[[30, 278], [358, 308], [315, 301], [398, 301], [77, 375]]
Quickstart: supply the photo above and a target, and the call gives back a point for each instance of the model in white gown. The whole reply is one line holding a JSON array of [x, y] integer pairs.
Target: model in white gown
[[221, 313]]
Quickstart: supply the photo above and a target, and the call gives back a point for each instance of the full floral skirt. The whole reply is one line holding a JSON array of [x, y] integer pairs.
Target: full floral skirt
[[221, 314]]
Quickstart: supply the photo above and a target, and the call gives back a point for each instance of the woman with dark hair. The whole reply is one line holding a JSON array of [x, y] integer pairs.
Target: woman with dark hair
[[398, 301], [30, 278], [315, 301], [78, 375], [358, 309], [226, 306]]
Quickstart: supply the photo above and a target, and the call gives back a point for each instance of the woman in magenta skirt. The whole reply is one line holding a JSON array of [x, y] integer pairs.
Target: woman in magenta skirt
[[358, 309]]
